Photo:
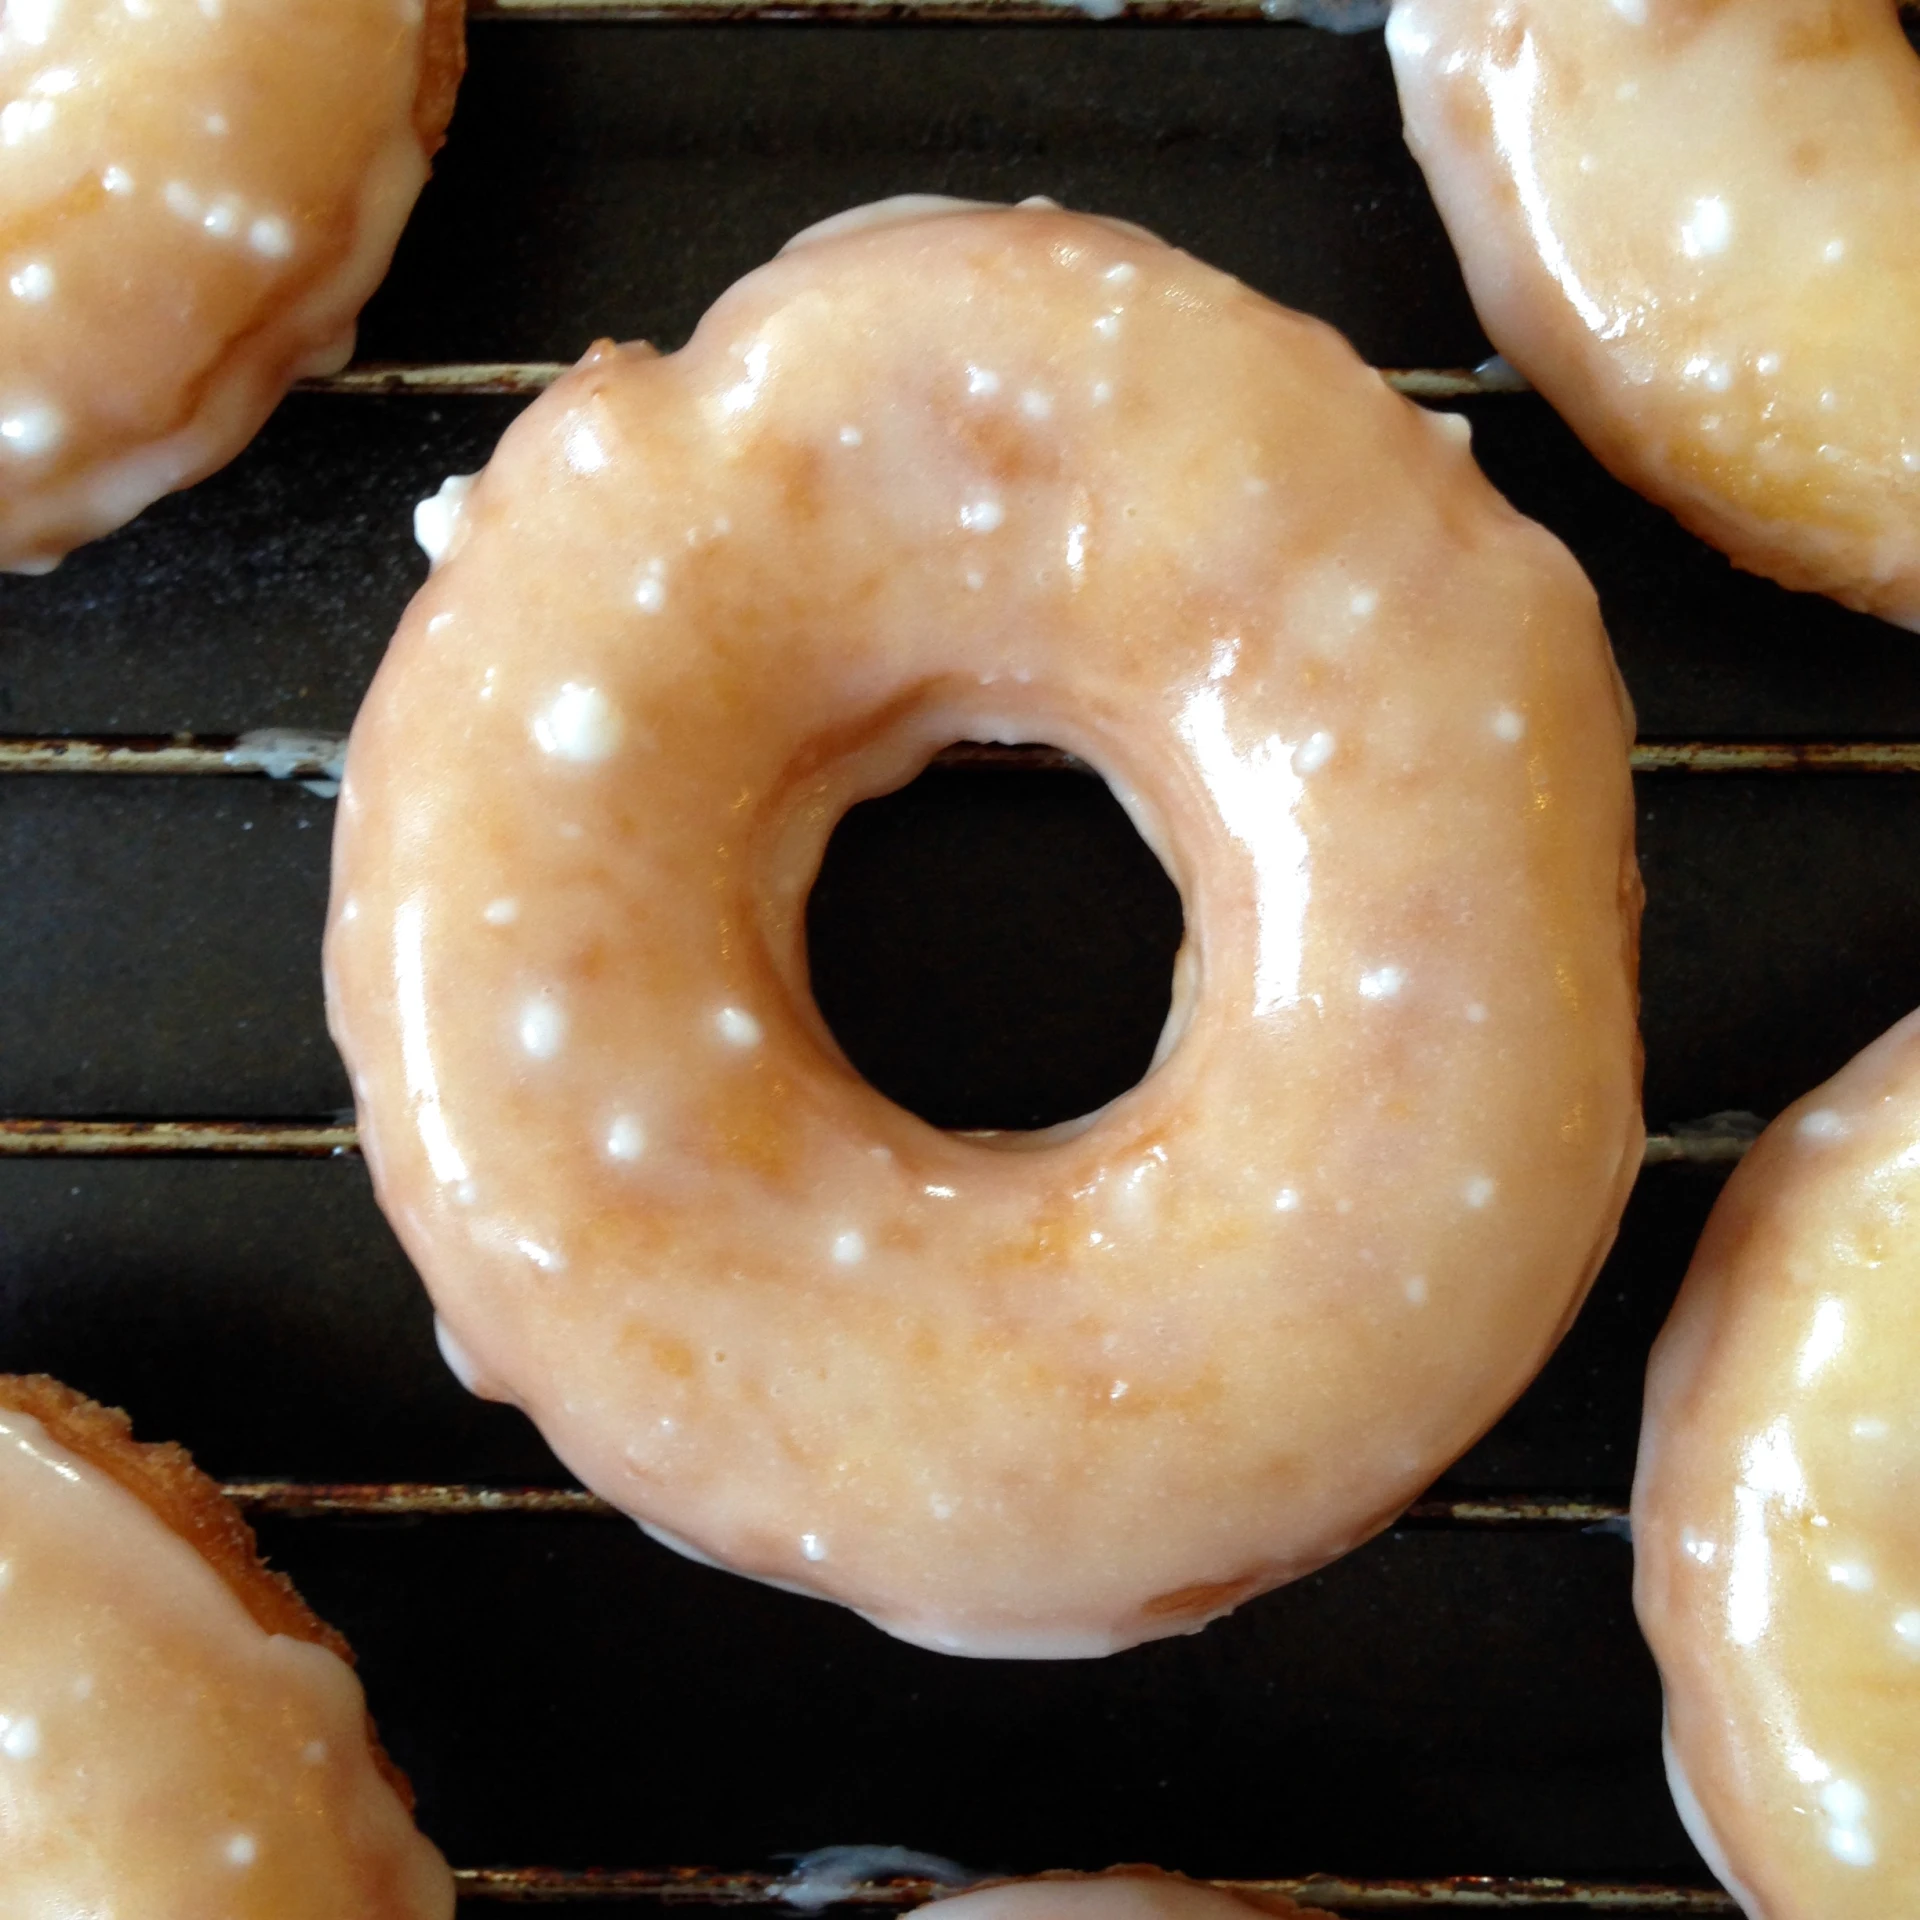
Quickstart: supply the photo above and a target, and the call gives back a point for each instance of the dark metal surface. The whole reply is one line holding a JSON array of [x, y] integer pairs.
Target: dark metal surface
[[1465, 1696]]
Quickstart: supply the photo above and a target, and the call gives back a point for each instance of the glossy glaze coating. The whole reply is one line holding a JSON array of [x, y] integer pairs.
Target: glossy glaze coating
[[1695, 226], [1127, 1893], [1776, 1532], [196, 199], [162, 1756], [1005, 475]]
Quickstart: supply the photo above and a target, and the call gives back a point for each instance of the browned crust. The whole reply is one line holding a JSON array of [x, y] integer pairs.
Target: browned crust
[[163, 1478], [443, 59]]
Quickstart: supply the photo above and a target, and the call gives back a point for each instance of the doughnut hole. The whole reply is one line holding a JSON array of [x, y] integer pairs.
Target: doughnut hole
[[993, 946]]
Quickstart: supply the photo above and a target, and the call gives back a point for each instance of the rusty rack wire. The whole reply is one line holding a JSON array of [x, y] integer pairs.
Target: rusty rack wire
[[701, 1887]]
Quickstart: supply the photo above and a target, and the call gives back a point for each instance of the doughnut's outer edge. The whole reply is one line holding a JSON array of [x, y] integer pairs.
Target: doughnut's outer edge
[[1682, 1372], [161, 1475], [443, 64], [1513, 294]]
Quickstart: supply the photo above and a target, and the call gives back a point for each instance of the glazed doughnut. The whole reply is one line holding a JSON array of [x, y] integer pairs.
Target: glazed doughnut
[[1694, 225], [1125, 1893], [1011, 475], [178, 1734], [1776, 1537], [199, 197]]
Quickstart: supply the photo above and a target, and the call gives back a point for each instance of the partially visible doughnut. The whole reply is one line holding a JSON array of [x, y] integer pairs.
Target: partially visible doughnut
[[1694, 225], [1123, 1893], [198, 197], [178, 1733], [1776, 1523], [1008, 475]]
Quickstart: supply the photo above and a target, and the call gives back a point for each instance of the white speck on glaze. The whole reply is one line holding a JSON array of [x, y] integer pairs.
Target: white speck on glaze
[[117, 180], [1834, 252], [1383, 983], [314, 1753], [543, 1027], [813, 1547], [1821, 1124], [579, 724], [1479, 1191], [502, 912], [241, 1850], [82, 1688], [33, 282], [982, 382], [1706, 229], [436, 520], [851, 436], [650, 595], [1869, 1427], [178, 198], [1633, 12], [974, 579], [982, 515], [1313, 752], [1416, 1290], [1122, 273], [1855, 1575], [1476, 1013], [1036, 405], [21, 1741], [1906, 1629], [849, 1247], [1287, 1200], [222, 218], [626, 1138], [737, 1027], [1363, 603], [1102, 392], [1107, 326], [1509, 726], [582, 448], [1697, 1548]]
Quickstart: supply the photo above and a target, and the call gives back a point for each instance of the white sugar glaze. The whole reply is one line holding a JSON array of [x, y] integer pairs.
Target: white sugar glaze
[[196, 199], [160, 1754], [1030, 1395], [1776, 1542], [1694, 225]]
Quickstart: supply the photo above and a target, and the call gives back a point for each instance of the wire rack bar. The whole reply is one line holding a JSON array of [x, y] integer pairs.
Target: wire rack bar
[[704, 1887], [30, 1139], [317, 757], [418, 1499], [524, 378]]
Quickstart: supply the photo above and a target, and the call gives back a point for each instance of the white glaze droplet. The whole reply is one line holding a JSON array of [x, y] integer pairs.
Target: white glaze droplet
[[1479, 1191], [1383, 983], [1509, 725], [626, 1138], [1313, 752], [849, 1248], [543, 1028], [502, 912], [579, 724]]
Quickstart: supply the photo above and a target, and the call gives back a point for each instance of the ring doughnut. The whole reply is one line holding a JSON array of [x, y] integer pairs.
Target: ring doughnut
[[178, 1733], [1776, 1541], [198, 201], [1694, 225], [1123, 1893], [1011, 475]]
